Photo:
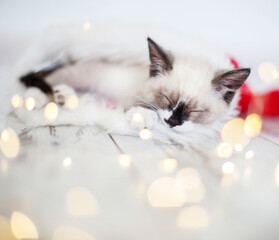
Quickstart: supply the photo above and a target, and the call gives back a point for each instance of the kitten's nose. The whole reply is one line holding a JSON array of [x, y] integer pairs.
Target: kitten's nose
[[173, 122]]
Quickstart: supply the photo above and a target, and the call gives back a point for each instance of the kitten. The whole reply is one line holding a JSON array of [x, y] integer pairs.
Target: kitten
[[179, 90]]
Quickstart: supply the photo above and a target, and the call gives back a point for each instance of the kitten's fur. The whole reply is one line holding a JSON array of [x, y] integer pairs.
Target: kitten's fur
[[179, 90]]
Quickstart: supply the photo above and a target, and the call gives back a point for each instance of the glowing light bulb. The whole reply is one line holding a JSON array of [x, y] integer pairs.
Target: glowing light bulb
[[228, 168], [9, 143], [86, 25], [193, 217], [22, 227], [238, 147], [137, 117], [72, 102], [145, 134], [67, 162], [249, 155], [17, 101], [268, 72], [124, 160], [30, 103], [167, 165], [51, 112], [166, 192], [253, 125], [81, 202], [224, 150]]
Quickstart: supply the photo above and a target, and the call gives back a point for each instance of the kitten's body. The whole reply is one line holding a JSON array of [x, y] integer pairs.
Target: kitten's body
[[187, 89]]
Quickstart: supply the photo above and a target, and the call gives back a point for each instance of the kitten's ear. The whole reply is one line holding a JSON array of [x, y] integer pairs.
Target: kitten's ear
[[227, 83], [161, 62]]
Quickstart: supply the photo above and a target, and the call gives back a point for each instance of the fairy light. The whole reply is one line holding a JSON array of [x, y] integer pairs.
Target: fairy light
[[238, 147], [17, 101], [268, 72], [253, 125], [69, 232], [167, 165], [249, 154], [137, 117], [22, 227], [67, 162], [51, 112], [81, 202], [72, 102], [224, 150], [192, 217], [124, 160], [9, 143], [233, 133], [145, 134], [30, 103], [228, 168], [166, 192], [277, 174], [87, 25]]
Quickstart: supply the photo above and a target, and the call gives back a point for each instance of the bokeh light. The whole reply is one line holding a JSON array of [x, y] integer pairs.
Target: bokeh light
[[253, 125], [224, 150], [192, 217], [30, 103], [70, 233], [238, 147], [233, 133], [268, 72], [228, 168], [194, 187], [51, 112], [5, 229], [87, 25], [67, 162], [145, 134], [249, 154], [81, 202], [166, 192], [72, 102], [17, 101], [22, 226], [9, 143], [124, 160], [167, 165], [137, 117]]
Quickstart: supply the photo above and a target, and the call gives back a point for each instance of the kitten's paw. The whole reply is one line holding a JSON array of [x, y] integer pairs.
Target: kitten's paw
[[140, 117], [39, 97], [61, 92]]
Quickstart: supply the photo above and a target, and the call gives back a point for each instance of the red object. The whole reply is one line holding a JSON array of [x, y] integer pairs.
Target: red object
[[266, 104]]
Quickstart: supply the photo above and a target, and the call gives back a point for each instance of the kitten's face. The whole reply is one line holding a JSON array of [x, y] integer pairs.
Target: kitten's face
[[189, 91]]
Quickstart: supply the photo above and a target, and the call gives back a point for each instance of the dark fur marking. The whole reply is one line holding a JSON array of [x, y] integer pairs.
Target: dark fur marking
[[37, 79], [227, 83], [179, 115], [161, 61]]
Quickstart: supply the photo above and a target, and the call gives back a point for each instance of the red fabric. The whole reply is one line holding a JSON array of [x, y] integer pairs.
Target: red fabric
[[264, 104]]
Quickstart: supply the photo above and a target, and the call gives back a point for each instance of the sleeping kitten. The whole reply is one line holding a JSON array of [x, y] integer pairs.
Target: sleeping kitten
[[177, 90]]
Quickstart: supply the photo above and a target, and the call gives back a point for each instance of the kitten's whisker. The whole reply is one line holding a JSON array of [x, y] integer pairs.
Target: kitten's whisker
[[147, 103]]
